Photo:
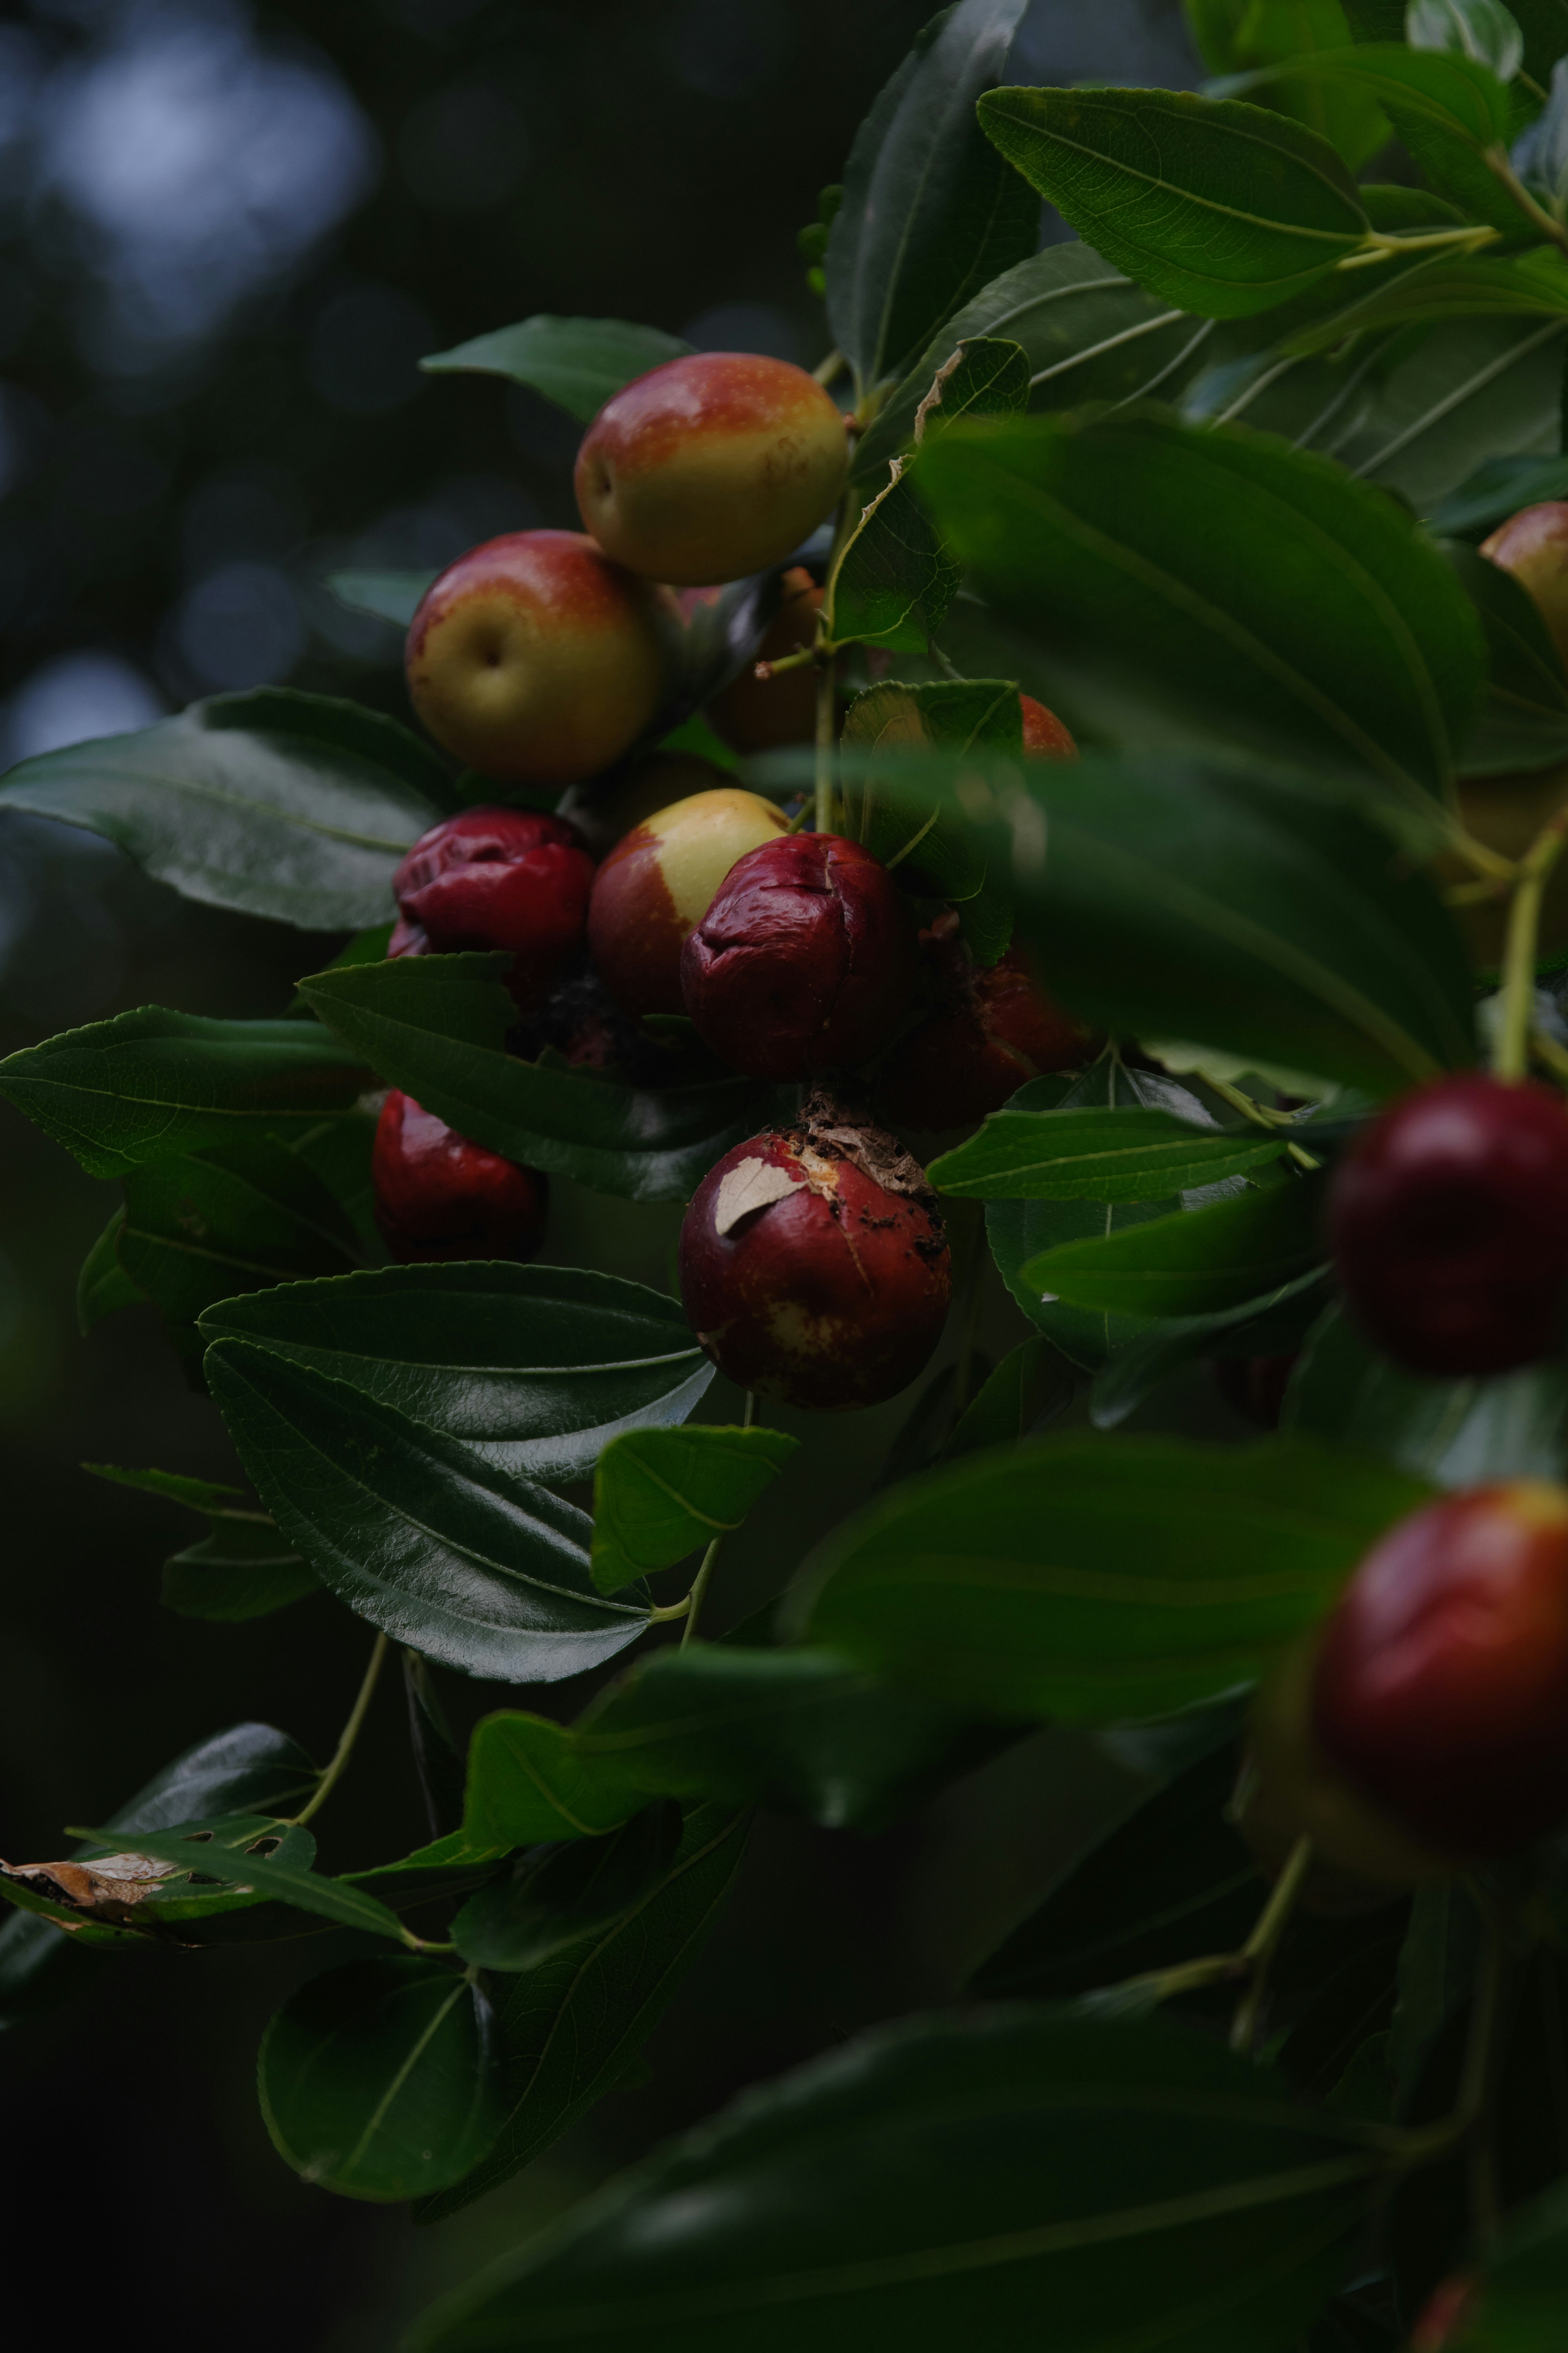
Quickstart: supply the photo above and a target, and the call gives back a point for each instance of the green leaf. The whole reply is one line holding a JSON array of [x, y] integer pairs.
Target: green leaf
[[237, 1217], [476, 1569], [1121, 1154], [1459, 1433], [437, 1026], [244, 1569], [1519, 2298], [1497, 489], [273, 803], [201, 1494], [390, 596], [800, 1730], [579, 364], [121, 1092], [1450, 92], [378, 2080], [1240, 36], [934, 855], [1520, 285], [1479, 29], [534, 1369], [1524, 721], [103, 1284], [930, 213], [307, 1891], [1196, 1262], [1230, 573], [1086, 332], [547, 1904], [988, 375], [660, 1494], [1273, 1324], [1090, 1580], [947, 2181], [1436, 1977], [893, 581], [1033, 1381], [1217, 207], [567, 2028]]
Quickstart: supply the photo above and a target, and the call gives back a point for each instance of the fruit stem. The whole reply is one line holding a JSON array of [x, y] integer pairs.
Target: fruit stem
[[827, 371], [1264, 1942], [1249, 1108], [1546, 1050], [694, 1600], [1510, 1057], [350, 1733]]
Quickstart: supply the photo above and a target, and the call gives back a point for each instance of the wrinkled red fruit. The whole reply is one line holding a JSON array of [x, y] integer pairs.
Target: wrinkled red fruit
[[1255, 1386], [1449, 1226], [814, 1266], [1441, 1687], [438, 1196], [496, 878], [990, 1034], [805, 959], [1044, 734]]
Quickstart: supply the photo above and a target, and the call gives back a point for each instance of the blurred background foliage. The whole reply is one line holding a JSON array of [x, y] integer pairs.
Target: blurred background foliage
[[226, 235]]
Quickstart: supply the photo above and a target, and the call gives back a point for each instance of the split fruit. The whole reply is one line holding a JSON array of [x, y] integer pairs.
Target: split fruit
[[496, 878], [439, 1196]]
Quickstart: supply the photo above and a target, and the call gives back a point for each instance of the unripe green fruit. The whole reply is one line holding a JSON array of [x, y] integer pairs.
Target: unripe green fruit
[[661, 880], [536, 659], [711, 467]]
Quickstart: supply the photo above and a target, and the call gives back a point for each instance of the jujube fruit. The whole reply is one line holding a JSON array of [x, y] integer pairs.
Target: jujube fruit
[[496, 878], [660, 881], [538, 661], [1441, 1683], [757, 715], [805, 960], [1533, 546], [992, 1031], [814, 1266], [1045, 737], [711, 467], [1448, 1222], [439, 1196]]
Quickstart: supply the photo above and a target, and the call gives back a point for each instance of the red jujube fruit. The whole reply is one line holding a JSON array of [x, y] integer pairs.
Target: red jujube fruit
[[991, 1032], [814, 1266], [804, 961], [496, 878], [1449, 1226], [439, 1196]]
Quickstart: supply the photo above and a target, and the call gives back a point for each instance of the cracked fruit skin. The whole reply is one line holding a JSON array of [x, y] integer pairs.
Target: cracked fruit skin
[[496, 878], [1448, 1222], [661, 880], [1533, 546], [536, 659], [830, 1295], [439, 1196], [806, 959], [1441, 1685], [711, 467], [993, 1031]]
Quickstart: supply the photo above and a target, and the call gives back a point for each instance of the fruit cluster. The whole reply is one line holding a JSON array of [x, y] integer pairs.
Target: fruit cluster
[[813, 1263]]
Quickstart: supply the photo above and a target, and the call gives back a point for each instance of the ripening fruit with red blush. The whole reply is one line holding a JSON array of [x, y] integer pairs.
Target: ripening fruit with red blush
[[1441, 1687], [806, 959], [757, 715], [992, 1032], [711, 467], [1533, 546], [496, 878], [1045, 737], [537, 661], [1448, 1222], [814, 1266], [439, 1196], [660, 881]]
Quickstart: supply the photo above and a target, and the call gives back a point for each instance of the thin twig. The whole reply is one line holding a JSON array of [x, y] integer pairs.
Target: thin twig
[[351, 1732]]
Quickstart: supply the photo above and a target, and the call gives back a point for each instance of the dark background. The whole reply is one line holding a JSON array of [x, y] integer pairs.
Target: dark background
[[226, 237]]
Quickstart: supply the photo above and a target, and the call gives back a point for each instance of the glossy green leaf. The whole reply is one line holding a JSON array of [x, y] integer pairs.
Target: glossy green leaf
[[567, 2028], [930, 213], [1480, 29], [535, 1368], [1095, 1579], [239, 1216], [950, 2180], [437, 1027], [545, 1905], [1497, 489], [1232, 573], [1086, 332], [103, 1284], [1273, 1324], [894, 580], [800, 1730], [244, 1569], [1196, 1262], [1033, 1382], [390, 596], [1119, 1153], [1459, 1433], [1217, 207], [307, 1891], [378, 2080], [474, 1568], [1521, 285], [579, 364], [986, 376], [1242, 36], [201, 1494], [121, 1092], [274, 803], [1451, 92], [660, 1494]]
